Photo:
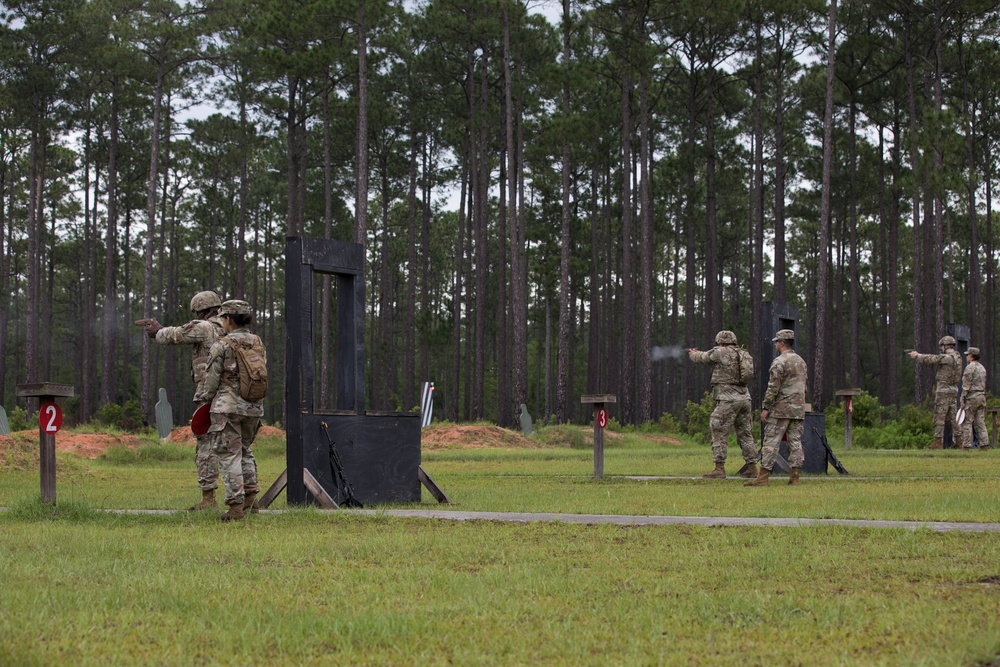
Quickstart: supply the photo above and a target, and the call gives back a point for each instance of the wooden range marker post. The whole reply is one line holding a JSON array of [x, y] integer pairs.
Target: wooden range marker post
[[848, 395], [600, 421], [49, 423]]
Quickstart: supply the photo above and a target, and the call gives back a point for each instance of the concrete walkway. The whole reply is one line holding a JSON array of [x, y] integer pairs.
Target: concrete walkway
[[642, 520]]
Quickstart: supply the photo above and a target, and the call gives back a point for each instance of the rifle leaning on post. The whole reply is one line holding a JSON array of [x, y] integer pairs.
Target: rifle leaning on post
[[337, 472]]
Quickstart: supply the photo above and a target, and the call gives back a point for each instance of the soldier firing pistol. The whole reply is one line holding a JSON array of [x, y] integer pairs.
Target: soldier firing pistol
[[151, 326]]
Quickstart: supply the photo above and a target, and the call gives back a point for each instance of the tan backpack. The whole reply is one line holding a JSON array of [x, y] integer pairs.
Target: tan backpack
[[745, 373], [252, 367]]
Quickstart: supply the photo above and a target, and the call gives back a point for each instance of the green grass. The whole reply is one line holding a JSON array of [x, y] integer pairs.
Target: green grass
[[304, 588]]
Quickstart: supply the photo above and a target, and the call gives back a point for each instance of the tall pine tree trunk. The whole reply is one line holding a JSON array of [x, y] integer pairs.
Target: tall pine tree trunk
[[147, 290], [822, 280], [644, 410], [626, 380], [562, 345], [110, 314]]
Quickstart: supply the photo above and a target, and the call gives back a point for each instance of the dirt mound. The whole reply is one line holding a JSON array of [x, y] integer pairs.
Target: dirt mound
[[472, 436], [183, 435], [89, 445]]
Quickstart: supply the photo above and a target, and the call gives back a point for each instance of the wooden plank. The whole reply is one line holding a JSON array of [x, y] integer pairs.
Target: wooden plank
[[315, 488], [848, 392], [598, 398], [598, 450], [44, 389], [435, 490], [47, 464], [273, 492]]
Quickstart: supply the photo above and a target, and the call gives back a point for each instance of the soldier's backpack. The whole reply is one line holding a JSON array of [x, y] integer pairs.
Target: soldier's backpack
[[252, 368], [746, 367]]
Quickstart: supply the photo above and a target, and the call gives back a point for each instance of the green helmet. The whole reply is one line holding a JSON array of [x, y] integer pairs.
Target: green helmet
[[235, 307], [205, 300], [725, 338], [947, 341]]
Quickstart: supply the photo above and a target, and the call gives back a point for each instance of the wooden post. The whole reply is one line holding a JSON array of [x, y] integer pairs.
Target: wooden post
[[46, 392], [993, 434], [598, 401], [849, 395]]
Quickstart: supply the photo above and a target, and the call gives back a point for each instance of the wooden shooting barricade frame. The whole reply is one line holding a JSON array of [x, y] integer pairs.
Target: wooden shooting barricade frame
[[46, 392], [379, 452]]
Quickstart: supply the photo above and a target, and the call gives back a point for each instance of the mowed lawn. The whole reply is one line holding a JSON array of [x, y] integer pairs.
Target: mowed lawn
[[308, 588]]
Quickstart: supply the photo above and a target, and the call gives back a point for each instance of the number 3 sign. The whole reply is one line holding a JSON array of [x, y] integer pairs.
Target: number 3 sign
[[602, 417], [50, 417]]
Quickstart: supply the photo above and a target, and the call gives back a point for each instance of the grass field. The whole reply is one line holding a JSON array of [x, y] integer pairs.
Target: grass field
[[304, 588]]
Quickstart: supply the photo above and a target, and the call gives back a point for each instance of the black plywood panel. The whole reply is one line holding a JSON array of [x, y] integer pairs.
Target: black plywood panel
[[812, 444], [380, 454]]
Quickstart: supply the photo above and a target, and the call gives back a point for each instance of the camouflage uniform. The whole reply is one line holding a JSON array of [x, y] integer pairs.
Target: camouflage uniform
[[235, 421], [785, 402], [947, 377], [200, 335], [732, 402], [974, 399]]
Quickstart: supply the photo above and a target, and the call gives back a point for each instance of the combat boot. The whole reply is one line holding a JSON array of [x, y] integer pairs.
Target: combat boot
[[207, 501], [936, 445], [250, 505], [719, 472], [750, 472], [235, 513], [794, 477], [760, 479], [958, 442]]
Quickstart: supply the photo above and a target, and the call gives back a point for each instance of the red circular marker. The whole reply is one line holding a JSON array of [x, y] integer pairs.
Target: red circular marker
[[201, 419], [602, 417], [50, 417]]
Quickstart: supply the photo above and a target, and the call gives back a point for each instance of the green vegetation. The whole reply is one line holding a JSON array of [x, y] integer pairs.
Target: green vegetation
[[303, 587]]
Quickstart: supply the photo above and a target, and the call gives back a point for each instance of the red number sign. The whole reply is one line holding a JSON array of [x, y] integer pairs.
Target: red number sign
[[50, 417], [602, 417]]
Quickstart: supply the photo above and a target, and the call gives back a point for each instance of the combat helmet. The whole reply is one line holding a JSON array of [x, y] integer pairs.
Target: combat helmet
[[205, 300], [235, 307], [947, 341], [725, 338]]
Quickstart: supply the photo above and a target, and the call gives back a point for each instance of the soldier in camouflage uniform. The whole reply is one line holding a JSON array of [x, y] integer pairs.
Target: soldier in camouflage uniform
[[235, 421], [974, 401], [200, 334], [947, 377], [783, 411], [732, 404]]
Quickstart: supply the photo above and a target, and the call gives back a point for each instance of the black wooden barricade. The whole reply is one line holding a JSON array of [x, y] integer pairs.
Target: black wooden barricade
[[379, 451]]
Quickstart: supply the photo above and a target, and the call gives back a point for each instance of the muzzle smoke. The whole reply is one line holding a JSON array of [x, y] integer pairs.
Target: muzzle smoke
[[668, 352]]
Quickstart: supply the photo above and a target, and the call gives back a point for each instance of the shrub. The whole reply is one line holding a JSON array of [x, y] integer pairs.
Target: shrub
[[669, 423], [698, 415], [868, 411], [127, 417], [20, 421], [909, 427]]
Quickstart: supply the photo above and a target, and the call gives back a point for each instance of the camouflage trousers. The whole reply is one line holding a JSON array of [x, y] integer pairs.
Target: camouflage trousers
[[975, 417], [232, 436], [726, 416], [944, 408], [207, 463], [792, 430]]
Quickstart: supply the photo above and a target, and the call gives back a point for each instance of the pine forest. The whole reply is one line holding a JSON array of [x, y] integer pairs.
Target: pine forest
[[554, 198]]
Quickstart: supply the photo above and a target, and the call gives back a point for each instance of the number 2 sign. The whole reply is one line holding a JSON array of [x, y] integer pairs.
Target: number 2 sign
[[50, 417]]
